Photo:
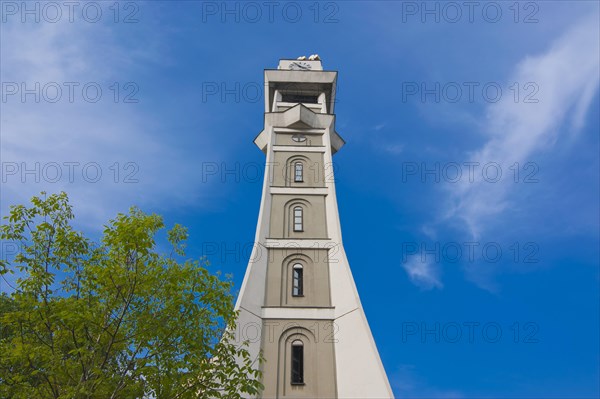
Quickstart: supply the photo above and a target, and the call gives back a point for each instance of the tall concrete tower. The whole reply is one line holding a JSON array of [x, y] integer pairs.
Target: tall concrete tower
[[298, 303]]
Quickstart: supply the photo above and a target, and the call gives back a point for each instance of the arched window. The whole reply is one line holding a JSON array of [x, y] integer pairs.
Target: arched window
[[297, 362], [298, 218], [298, 172], [297, 280]]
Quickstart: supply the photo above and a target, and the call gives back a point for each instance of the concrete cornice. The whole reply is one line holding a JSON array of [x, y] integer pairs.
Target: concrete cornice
[[300, 190], [299, 77], [299, 117], [309, 243], [311, 313], [296, 148]]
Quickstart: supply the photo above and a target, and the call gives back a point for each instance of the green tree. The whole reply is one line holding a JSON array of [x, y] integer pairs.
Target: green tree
[[115, 319]]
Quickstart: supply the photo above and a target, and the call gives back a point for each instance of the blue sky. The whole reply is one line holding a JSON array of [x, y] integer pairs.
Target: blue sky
[[434, 253]]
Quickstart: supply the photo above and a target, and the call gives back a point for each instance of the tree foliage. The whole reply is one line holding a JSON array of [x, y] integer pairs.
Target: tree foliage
[[116, 319]]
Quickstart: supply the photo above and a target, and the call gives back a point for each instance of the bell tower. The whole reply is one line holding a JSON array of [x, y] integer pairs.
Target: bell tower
[[298, 302]]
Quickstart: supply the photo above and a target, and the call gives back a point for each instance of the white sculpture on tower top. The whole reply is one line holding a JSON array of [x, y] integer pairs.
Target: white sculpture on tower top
[[313, 57]]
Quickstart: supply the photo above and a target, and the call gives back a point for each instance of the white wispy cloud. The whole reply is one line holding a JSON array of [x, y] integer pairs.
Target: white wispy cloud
[[423, 272], [393, 148], [141, 160], [567, 78], [408, 384]]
